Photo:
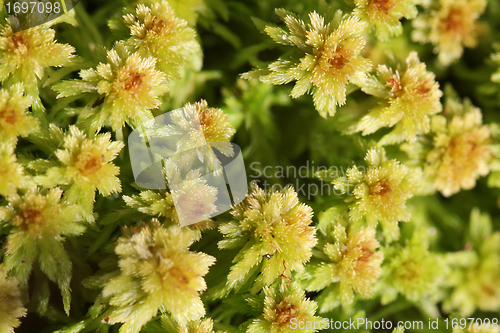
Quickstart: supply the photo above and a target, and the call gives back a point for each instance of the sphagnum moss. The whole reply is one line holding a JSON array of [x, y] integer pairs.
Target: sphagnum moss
[[458, 150], [384, 16], [476, 271], [475, 328], [157, 271], [125, 88], [283, 307], [330, 58]]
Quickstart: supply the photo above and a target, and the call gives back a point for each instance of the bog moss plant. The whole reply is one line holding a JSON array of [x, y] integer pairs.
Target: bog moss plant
[[369, 135]]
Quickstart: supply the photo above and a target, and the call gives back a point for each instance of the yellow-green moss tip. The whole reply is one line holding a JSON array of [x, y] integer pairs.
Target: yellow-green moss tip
[[272, 232]]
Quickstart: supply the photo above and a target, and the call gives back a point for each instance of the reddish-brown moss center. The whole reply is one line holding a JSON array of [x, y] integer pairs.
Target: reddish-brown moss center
[[285, 312]]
